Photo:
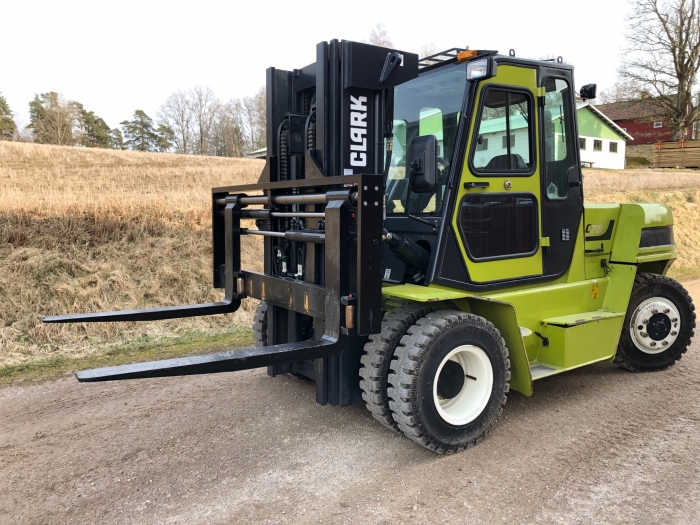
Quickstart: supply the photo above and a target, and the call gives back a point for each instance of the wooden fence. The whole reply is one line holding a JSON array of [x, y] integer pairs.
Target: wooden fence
[[683, 154]]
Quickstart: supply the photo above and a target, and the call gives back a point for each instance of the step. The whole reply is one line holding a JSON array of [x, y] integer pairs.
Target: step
[[540, 370], [570, 341], [567, 321]]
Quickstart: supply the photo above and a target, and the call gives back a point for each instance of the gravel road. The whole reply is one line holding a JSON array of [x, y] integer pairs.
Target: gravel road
[[597, 445]]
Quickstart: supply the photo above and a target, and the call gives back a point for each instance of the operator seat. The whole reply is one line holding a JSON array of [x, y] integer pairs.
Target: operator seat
[[500, 162]]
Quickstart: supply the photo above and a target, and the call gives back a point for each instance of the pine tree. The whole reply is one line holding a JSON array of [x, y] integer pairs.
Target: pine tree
[[7, 124], [139, 134], [95, 131], [166, 136], [117, 139]]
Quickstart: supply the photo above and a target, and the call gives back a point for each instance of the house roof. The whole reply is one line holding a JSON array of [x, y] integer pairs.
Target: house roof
[[617, 129], [632, 109]]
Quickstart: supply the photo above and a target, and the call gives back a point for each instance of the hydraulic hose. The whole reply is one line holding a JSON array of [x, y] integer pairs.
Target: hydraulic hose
[[407, 250]]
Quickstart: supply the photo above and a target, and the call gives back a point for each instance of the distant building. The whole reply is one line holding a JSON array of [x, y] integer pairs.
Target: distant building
[[257, 154], [643, 119], [601, 141]]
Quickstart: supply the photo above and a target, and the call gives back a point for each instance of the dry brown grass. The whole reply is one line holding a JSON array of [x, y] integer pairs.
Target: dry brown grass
[[89, 230], [677, 189], [598, 182]]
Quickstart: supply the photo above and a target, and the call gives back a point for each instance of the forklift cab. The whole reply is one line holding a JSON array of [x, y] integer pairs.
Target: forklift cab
[[507, 205]]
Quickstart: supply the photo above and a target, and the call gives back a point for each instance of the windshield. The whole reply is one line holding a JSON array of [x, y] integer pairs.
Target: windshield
[[427, 105]]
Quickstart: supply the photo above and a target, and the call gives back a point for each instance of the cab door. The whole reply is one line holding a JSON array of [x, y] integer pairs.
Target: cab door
[[497, 213], [562, 199]]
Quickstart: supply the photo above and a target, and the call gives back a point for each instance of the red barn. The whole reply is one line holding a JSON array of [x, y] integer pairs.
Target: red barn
[[642, 119]]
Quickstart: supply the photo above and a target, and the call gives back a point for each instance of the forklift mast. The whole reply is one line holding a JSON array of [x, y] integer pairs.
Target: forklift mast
[[321, 193]]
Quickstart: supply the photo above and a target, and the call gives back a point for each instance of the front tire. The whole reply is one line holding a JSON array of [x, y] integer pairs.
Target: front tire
[[377, 357], [449, 383], [260, 325], [659, 324]]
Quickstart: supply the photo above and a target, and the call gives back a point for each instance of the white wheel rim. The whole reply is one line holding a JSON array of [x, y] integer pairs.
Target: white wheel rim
[[649, 324], [472, 399]]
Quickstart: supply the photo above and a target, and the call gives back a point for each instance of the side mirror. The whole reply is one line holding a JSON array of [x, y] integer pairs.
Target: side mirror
[[423, 164], [588, 91]]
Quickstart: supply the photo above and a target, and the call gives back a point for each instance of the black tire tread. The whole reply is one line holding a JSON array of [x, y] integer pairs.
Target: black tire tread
[[643, 280], [260, 325], [411, 352], [378, 353]]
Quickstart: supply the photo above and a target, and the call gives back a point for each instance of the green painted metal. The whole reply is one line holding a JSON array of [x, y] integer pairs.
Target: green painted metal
[[576, 319], [504, 318], [634, 217], [591, 125], [575, 346], [551, 309], [582, 318], [654, 254], [488, 271], [621, 281], [424, 294]]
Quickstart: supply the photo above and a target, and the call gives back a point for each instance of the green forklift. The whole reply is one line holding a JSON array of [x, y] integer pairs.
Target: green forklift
[[426, 244]]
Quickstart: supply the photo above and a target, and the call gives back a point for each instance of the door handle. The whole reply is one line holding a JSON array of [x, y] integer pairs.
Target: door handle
[[472, 185]]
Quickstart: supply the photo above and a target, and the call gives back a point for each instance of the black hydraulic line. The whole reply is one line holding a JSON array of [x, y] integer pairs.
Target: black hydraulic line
[[387, 163], [407, 250]]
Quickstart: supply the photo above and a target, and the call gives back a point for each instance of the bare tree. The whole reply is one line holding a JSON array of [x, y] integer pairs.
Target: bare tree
[[52, 119], [204, 106], [663, 57], [427, 50], [618, 92], [228, 137], [379, 37], [176, 113], [198, 123], [255, 119]]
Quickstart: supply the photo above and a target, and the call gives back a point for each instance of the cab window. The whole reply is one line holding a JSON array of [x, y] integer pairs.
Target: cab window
[[503, 142], [428, 105], [557, 137]]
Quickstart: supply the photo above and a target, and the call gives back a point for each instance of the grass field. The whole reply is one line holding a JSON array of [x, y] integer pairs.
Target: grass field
[[88, 230]]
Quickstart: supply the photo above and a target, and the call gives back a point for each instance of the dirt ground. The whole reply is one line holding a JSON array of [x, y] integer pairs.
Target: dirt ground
[[597, 445]]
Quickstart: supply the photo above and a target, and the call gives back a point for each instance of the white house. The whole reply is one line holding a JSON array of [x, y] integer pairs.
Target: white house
[[600, 140]]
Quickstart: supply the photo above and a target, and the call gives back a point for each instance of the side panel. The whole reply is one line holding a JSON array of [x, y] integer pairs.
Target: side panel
[[633, 219], [600, 221], [505, 319]]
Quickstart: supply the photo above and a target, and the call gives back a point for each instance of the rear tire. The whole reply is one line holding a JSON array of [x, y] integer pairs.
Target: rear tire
[[659, 324], [449, 383], [379, 352]]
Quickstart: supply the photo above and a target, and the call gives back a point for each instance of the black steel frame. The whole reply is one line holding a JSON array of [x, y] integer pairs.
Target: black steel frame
[[352, 222]]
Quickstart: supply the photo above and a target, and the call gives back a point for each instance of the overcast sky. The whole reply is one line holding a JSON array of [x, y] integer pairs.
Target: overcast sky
[[116, 57]]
